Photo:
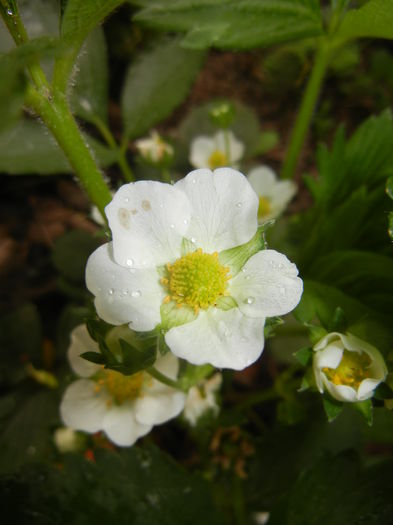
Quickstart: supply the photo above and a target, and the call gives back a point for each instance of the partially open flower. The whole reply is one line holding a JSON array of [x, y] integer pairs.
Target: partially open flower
[[274, 195], [154, 149], [347, 367], [202, 398], [170, 265], [124, 407], [223, 149]]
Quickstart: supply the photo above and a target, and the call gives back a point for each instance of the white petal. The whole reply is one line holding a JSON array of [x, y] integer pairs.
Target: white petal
[[82, 342], [148, 220], [267, 285], [328, 338], [262, 180], [124, 295], [82, 408], [121, 426], [282, 193], [201, 149], [236, 148], [168, 365], [330, 357], [341, 392], [156, 409], [366, 388], [225, 339], [223, 208]]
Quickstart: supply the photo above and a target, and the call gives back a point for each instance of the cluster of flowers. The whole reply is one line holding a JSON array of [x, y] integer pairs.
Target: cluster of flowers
[[180, 262]]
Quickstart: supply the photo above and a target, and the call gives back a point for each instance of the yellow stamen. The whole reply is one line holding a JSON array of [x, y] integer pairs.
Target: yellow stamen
[[217, 159], [120, 387], [196, 280], [264, 208], [351, 371]]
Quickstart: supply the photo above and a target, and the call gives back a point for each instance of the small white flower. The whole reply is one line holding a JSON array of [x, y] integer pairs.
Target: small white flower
[[164, 267], [347, 367], [202, 398], [154, 149], [223, 149], [124, 407], [274, 195]]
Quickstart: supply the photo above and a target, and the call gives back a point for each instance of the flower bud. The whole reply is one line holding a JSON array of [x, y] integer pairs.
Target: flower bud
[[347, 367]]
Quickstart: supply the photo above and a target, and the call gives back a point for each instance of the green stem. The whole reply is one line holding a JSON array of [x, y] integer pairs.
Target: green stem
[[59, 120], [121, 153], [306, 109], [238, 501], [164, 379]]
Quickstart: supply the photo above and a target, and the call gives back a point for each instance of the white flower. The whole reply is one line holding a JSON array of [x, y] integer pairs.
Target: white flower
[[124, 407], [274, 195], [223, 149], [347, 367], [154, 148], [167, 266], [202, 398]]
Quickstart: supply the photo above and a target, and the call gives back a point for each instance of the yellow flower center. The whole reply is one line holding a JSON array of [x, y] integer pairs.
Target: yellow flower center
[[264, 208], [120, 387], [217, 159], [351, 371], [197, 280]]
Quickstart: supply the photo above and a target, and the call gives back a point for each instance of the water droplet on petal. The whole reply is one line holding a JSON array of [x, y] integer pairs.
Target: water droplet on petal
[[250, 300], [126, 199], [280, 266], [193, 240], [111, 291], [239, 204], [129, 262], [185, 221], [248, 277], [136, 293], [172, 226], [193, 181]]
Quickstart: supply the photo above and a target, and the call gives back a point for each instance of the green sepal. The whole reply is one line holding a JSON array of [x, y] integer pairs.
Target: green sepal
[[97, 328], [172, 315], [94, 357], [366, 409], [194, 374], [271, 324], [332, 408], [226, 302], [316, 333], [304, 355], [237, 257], [163, 348]]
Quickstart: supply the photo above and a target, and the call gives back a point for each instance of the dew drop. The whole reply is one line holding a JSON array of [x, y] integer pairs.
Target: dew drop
[[280, 266], [111, 291], [9, 12], [185, 222], [248, 277], [129, 262], [244, 270], [193, 240], [136, 293], [239, 204], [250, 300], [193, 181], [126, 199], [172, 226]]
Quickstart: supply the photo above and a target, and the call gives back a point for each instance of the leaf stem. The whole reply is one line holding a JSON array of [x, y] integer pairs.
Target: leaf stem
[[164, 379], [307, 108]]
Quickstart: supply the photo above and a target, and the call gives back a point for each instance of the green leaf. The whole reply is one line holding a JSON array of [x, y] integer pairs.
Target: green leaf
[[373, 19], [338, 491], [28, 148], [234, 24], [332, 408], [134, 486], [157, 83], [66, 247], [82, 16], [88, 89], [304, 355]]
